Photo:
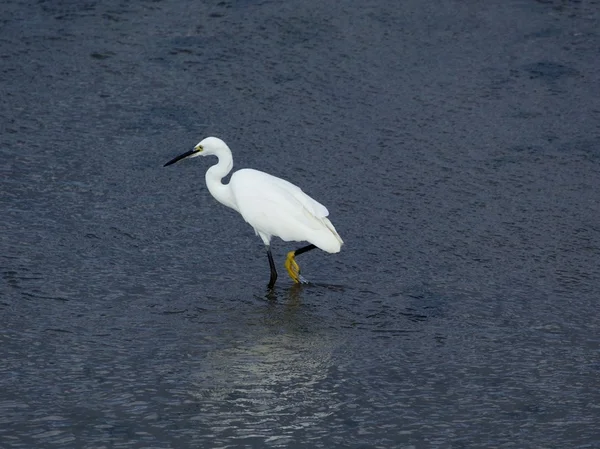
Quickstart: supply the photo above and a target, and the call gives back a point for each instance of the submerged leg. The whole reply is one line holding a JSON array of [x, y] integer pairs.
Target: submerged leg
[[292, 266], [273, 270]]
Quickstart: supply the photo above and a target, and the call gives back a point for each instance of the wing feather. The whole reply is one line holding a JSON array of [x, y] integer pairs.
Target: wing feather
[[279, 208]]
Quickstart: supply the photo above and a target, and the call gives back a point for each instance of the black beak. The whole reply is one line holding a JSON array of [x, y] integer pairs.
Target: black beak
[[181, 156]]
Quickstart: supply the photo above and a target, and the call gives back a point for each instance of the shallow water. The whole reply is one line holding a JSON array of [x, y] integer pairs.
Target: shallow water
[[456, 147]]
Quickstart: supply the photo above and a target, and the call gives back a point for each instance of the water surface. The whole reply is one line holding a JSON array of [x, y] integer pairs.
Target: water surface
[[456, 146]]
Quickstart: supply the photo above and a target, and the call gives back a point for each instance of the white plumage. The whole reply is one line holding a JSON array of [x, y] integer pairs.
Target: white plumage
[[276, 207], [271, 205]]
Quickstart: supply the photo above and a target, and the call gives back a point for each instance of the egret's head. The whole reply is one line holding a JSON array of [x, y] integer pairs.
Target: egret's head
[[210, 145]]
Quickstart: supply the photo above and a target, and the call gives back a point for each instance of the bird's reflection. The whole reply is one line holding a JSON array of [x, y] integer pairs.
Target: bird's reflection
[[286, 352], [291, 294]]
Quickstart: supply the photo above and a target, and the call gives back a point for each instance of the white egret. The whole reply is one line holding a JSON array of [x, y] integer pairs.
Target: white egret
[[271, 205]]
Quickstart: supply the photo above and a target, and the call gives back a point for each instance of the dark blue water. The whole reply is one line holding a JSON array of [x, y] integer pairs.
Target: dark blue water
[[457, 147]]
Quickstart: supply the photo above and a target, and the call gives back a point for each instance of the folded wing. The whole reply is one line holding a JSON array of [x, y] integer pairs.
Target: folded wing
[[276, 207]]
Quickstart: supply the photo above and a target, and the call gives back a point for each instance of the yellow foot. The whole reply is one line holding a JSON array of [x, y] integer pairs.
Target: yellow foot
[[292, 267]]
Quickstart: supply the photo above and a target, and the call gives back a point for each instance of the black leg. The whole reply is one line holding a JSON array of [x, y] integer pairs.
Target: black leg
[[304, 249], [273, 270]]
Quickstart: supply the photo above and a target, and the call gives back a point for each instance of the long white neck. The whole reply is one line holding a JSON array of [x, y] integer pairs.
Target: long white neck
[[214, 175]]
